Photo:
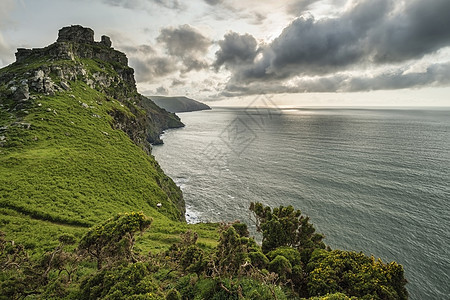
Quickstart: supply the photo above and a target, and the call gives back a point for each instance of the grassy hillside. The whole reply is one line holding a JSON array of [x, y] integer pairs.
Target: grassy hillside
[[66, 158]]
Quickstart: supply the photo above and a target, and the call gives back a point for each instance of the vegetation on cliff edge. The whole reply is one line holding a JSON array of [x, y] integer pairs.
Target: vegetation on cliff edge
[[105, 264]]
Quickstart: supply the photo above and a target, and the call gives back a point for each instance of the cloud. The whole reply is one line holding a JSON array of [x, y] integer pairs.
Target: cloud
[[187, 44], [435, 75], [149, 69], [6, 50], [298, 7], [184, 40], [214, 2], [177, 82], [162, 91], [178, 50], [144, 4], [370, 33], [139, 50], [235, 50], [252, 10], [309, 46], [419, 28]]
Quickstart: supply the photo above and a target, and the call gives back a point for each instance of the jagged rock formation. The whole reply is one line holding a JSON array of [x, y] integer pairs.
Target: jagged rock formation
[[76, 41], [70, 59]]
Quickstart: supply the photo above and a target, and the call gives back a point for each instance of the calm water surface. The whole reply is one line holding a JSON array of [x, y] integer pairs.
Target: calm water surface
[[376, 181]]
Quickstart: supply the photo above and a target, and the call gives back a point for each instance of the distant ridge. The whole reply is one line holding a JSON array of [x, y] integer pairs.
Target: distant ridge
[[178, 104]]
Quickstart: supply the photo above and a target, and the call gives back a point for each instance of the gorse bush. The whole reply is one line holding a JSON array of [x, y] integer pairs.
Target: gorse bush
[[355, 275]]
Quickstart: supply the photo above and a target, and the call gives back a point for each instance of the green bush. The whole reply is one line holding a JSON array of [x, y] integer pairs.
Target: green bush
[[193, 260], [173, 294], [126, 282], [355, 275], [284, 226], [291, 254], [281, 266], [258, 259], [241, 229], [114, 239]]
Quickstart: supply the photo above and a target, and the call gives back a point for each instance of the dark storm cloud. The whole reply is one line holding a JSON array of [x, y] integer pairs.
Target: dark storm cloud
[[310, 46], [435, 75], [370, 32], [422, 27], [235, 50]]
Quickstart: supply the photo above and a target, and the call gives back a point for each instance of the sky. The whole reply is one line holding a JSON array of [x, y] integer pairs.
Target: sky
[[280, 53]]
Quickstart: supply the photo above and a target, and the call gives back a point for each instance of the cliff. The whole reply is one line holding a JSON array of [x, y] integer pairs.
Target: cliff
[[75, 141], [178, 104], [75, 56]]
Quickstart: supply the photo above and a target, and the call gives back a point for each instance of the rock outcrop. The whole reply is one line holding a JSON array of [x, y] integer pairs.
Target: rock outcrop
[[76, 56], [76, 41]]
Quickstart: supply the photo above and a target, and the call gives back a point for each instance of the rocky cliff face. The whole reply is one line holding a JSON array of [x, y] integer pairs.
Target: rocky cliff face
[[75, 56]]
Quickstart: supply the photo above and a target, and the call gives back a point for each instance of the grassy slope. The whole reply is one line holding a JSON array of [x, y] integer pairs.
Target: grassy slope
[[70, 170]]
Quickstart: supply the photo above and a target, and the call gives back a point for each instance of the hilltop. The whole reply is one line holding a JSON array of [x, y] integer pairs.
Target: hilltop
[[178, 104]]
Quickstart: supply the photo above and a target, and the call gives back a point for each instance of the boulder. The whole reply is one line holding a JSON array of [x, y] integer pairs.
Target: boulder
[[65, 85], [21, 93]]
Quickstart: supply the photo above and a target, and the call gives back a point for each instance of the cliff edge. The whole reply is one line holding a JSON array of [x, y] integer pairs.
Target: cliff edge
[[75, 141]]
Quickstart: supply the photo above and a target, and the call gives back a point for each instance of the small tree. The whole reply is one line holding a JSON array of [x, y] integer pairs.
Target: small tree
[[114, 239], [284, 226], [231, 253]]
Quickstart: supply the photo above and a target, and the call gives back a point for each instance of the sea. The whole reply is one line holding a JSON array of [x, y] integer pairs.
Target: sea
[[371, 180]]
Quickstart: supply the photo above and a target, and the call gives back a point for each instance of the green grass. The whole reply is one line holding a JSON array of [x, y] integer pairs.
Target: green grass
[[70, 170]]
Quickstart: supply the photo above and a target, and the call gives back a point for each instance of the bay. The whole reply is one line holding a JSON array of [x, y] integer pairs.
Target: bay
[[371, 180]]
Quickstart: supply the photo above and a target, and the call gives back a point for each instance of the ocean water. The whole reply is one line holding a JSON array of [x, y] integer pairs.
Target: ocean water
[[371, 180]]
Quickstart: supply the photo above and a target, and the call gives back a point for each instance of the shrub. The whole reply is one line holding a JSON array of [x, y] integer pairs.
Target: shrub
[[281, 266], [133, 281], [173, 294], [355, 275], [114, 239], [192, 259], [284, 226]]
